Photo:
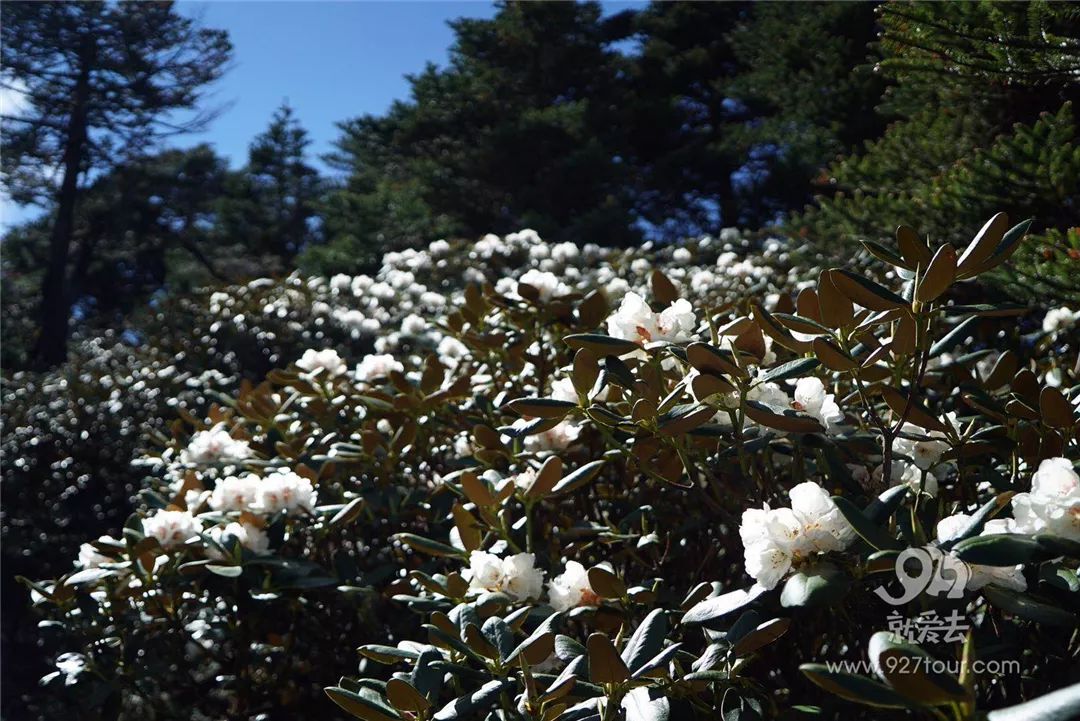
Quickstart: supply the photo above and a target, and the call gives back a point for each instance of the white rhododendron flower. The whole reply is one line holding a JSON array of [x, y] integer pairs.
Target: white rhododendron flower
[[1011, 577], [547, 284], [525, 480], [1059, 319], [377, 366], [571, 588], [248, 536], [327, 360], [171, 528], [812, 398], [91, 557], [553, 439], [1053, 505], [635, 321], [514, 575], [563, 390], [284, 490], [214, 445], [925, 453], [912, 476], [235, 493], [775, 539]]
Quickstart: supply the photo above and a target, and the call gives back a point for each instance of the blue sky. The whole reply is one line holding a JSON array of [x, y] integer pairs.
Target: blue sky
[[331, 60]]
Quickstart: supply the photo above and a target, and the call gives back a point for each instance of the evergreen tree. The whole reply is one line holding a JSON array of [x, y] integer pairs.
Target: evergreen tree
[[273, 201], [100, 81], [985, 97], [520, 130], [145, 226]]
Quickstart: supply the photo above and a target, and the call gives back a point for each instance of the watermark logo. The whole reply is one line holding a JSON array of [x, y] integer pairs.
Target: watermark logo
[[928, 570], [937, 573]]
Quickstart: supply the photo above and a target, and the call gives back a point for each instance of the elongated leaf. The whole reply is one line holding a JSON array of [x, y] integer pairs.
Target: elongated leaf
[[852, 687], [999, 549], [866, 292], [605, 664], [541, 407], [909, 671], [361, 707], [601, 345], [864, 527], [713, 609], [578, 478], [646, 640], [1028, 607], [480, 700], [792, 369]]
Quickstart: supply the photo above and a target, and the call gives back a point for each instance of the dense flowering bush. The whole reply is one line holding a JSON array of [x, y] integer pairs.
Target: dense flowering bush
[[575, 483]]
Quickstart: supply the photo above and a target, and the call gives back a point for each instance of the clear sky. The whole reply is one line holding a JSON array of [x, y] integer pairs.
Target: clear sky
[[331, 60]]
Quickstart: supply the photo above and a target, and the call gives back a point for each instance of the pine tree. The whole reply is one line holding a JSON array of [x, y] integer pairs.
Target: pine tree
[[273, 200], [984, 93], [99, 81]]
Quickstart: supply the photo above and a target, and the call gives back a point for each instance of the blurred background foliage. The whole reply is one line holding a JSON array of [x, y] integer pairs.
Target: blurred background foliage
[[826, 121]]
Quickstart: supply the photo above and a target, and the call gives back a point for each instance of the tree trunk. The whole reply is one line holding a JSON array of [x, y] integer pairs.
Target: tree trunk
[[51, 347]]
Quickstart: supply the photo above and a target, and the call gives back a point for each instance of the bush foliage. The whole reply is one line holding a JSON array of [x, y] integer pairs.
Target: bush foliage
[[572, 482]]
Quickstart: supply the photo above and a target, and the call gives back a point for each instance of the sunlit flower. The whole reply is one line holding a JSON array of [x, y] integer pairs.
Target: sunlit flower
[[775, 539], [514, 575], [284, 490], [377, 366], [1053, 504], [248, 536], [811, 398], [1059, 319], [634, 320], [171, 528], [924, 449], [215, 445], [571, 588], [235, 493], [327, 360]]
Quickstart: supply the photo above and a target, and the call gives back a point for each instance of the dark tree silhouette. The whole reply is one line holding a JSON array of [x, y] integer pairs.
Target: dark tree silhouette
[[100, 83]]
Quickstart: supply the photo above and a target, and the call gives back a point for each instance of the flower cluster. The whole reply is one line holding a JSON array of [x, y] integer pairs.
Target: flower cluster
[[636, 469], [776, 539]]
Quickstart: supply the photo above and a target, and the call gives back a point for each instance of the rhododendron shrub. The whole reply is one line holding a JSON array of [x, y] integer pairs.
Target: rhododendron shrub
[[577, 483]]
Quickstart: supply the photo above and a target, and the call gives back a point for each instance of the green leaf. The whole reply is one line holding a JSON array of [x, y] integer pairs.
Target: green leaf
[[852, 687], [605, 664], [978, 521], [909, 671], [646, 641], [362, 707], [601, 345], [348, 514], [541, 407], [226, 571], [866, 292], [387, 654], [646, 704], [578, 478], [815, 586], [714, 609], [999, 549], [792, 369], [954, 337], [480, 700], [864, 527], [1028, 607], [426, 545]]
